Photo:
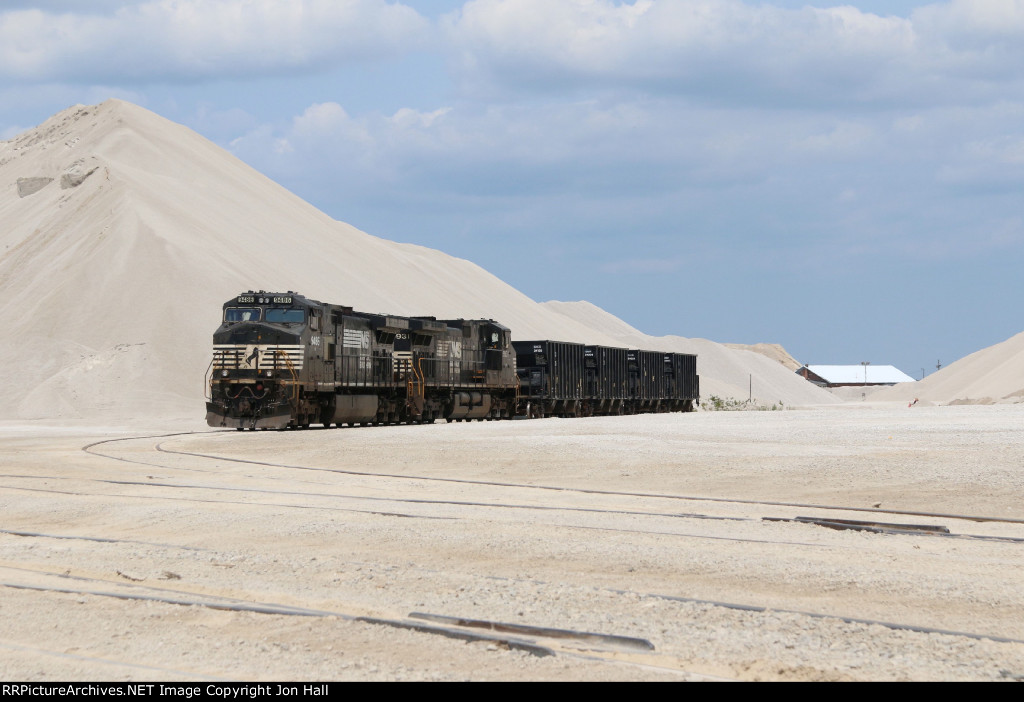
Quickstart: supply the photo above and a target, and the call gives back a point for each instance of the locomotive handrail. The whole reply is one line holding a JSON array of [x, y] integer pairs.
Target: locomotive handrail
[[414, 387], [295, 377], [422, 378], [208, 382]]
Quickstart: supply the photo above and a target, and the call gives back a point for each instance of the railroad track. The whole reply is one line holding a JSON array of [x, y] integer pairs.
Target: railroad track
[[880, 527], [537, 640], [517, 504], [540, 641], [854, 525]]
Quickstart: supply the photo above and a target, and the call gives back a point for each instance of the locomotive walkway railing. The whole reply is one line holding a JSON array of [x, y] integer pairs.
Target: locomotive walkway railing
[[295, 376], [414, 373]]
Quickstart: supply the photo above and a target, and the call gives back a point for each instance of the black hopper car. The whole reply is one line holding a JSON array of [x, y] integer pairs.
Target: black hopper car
[[558, 378], [283, 360]]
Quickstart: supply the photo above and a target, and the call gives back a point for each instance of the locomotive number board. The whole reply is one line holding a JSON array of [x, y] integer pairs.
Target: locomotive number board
[[264, 299]]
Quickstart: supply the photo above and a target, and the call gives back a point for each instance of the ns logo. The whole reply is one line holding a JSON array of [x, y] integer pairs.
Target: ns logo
[[251, 358]]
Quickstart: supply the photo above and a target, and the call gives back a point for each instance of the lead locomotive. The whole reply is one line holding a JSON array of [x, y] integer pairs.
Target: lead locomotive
[[283, 360]]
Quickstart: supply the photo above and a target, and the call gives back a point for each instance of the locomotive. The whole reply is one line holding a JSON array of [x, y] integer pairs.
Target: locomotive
[[282, 360]]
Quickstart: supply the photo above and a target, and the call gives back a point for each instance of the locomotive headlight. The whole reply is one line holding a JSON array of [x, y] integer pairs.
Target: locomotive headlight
[[270, 374], [223, 374]]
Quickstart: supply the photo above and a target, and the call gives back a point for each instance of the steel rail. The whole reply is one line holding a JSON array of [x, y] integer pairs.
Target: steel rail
[[286, 610], [451, 632], [220, 502], [405, 500], [630, 643], [592, 491], [159, 447]]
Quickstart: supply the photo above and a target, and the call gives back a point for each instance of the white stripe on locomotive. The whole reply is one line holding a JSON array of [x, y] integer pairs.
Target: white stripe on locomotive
[[257, 356]]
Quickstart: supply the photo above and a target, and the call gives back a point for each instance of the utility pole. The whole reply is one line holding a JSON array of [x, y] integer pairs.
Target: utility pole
[[865, 364]]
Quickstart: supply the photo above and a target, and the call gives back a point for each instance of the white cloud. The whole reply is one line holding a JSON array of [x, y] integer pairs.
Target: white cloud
[[94, 6], [590, 150], [1003, 150], [778, 180], [327, 120], [728, 52], [733, 52], [408, 118], [195, 39], [843, 138], [908, 123], [978, 20]]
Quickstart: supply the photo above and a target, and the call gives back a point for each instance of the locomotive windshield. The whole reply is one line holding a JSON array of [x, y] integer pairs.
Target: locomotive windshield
[[241, 314], [278, 315]]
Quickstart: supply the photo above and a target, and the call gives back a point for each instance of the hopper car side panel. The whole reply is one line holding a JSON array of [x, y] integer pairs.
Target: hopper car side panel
[[612, 380], [551, 377]]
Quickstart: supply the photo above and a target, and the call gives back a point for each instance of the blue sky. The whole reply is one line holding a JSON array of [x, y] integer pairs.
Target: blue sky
[[843, 180]]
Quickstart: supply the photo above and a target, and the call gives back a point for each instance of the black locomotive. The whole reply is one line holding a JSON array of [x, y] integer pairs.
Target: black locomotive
[[283, 360]]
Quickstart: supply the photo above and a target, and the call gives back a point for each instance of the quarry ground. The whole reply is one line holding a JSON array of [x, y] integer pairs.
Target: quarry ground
[[304, 555]]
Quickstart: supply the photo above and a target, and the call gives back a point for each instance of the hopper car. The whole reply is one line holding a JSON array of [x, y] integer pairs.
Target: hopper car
[[282, 360]]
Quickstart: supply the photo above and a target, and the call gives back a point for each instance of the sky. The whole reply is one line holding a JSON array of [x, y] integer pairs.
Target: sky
[[846, 180]]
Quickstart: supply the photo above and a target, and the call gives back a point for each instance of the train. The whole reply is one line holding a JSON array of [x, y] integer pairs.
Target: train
[[283, 361]]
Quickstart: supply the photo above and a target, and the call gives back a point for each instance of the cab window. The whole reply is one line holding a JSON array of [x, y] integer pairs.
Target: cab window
[[277, 315], [242, 314]]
